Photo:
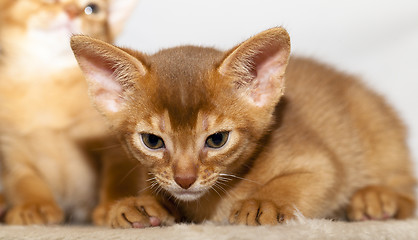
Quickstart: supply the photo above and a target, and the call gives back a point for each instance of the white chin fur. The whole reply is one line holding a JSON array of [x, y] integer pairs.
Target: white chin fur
[[188, 196]]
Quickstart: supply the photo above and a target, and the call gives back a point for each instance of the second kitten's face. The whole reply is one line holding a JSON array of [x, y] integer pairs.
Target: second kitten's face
[[37, 32], [192, 115], [64, 17]]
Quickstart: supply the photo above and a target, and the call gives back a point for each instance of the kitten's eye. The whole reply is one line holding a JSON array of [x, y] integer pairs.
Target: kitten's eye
[[152, 141], [217, 140], [91, 8]]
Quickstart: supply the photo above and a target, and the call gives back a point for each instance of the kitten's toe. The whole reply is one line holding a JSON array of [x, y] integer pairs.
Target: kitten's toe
[[51, 213], [128, 217], [260, 212], [34, 214], [139, 212], [100, 216], [378, 203]]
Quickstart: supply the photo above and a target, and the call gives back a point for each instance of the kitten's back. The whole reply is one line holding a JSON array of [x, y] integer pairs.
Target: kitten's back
[[355, 123]]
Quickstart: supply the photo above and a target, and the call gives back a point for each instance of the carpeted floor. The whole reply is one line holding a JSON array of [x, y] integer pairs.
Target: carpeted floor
[[303, 229]]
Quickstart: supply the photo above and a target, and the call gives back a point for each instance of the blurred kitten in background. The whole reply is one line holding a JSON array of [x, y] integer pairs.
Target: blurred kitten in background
[[47, 123]]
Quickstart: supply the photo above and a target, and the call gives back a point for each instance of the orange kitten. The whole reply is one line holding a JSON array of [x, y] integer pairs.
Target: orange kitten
[[46, 119], [225, 140]]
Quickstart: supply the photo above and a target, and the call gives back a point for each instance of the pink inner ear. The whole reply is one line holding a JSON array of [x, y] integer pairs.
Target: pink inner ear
[[105, 89], [268, 69], [108, 93]]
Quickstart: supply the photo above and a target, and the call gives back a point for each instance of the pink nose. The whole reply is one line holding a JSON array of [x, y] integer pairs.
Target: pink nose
[[72, 11], [185, 182]]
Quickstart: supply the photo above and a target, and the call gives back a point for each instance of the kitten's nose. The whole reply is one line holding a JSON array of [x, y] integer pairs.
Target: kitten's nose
[[185, 181], [72, 10]]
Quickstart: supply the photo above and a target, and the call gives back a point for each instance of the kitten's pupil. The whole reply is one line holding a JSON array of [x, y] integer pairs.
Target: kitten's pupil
[[152, 141], [217, 140], [91, 8]]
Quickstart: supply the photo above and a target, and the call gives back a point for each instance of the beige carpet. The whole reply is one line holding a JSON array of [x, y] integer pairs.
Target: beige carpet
[[303, 229]]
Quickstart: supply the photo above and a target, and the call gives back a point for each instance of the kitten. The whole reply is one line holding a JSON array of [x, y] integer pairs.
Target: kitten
[[223, 140], [46, 119]]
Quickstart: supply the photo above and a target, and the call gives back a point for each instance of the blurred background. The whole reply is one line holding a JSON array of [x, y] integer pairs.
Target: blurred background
[[375, 40]]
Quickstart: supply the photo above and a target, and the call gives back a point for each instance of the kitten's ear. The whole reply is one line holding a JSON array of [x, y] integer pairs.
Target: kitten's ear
[[110, 72], [119, 12], [257, 66]]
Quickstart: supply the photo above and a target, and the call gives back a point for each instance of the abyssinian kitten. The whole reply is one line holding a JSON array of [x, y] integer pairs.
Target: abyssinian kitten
[[47, 123], [248, 136]]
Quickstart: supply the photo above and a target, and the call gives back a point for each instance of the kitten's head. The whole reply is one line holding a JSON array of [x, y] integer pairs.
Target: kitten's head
[[102, 19], [190, 114]]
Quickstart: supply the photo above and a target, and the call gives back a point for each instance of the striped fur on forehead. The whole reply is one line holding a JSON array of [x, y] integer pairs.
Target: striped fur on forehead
[[181, 79]]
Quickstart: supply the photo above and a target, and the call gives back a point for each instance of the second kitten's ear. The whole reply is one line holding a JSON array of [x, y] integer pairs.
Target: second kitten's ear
[[110, 72], [257, 66], [119, 12]]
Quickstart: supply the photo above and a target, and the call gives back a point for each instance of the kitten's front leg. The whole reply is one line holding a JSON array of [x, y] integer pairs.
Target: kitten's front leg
[[139, 212], [26, 192], [255, 212], [380, 203], [120, 178], [279, 200], [32, 203]]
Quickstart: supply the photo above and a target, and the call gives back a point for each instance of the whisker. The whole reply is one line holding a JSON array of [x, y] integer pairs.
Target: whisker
[[226, 180], [140, 191], [220, 188], [153, 185], [106, 147], [150, 179], [213, 188], [233, 176], [176, 201], [130, 171], [222, 177], [197, 206], [222, 183], [159, 189], [170, 197], [154, 188], [232, 194], [223, 190]]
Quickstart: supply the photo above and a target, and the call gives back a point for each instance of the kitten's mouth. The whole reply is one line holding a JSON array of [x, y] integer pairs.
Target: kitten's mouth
[[67, 27], [187, 195], [62, 25]]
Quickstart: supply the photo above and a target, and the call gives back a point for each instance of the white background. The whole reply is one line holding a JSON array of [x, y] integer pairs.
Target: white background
[[375, 40]]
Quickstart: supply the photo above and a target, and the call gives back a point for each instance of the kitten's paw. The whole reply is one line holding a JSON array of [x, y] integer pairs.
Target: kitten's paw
[[2, 208], [379, 203], [35, 213], [139, 212], [100, 216], [260, 212]]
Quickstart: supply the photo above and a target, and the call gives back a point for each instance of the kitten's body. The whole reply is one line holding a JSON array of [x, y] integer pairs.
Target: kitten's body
[[46, 121], [327, 146]]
